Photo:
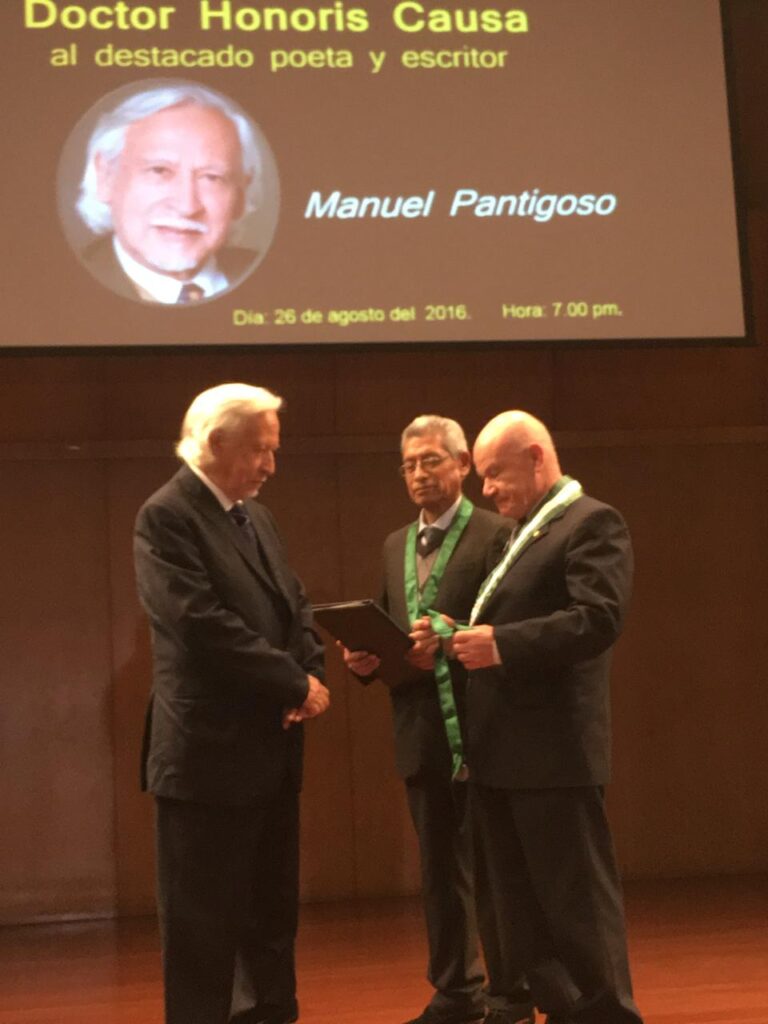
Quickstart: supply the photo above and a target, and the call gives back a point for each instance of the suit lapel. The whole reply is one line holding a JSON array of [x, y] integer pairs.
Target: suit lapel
[[396, 589], [272, 571], [538, 535], [206, 503], [535, 537], [252, 552]]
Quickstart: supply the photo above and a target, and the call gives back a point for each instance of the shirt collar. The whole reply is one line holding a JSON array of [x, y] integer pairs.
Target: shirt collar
[[162, 287], [225, 502], [444, 521]]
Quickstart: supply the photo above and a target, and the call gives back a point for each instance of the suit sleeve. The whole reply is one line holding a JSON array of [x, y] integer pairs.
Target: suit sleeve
[[177, 592], [598, 581], [313, 660]]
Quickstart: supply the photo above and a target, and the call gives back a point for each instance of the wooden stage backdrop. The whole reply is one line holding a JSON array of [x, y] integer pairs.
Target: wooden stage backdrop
[[676, 438]]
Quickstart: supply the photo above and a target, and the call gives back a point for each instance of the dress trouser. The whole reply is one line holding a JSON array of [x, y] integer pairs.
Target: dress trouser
[[228, 908], [439, 809], [554, 920]]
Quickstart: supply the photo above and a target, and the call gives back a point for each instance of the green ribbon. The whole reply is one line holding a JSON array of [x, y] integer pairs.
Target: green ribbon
[[419, 604]]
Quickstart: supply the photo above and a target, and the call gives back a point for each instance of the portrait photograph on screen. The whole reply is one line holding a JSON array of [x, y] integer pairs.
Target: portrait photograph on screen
[[168, 193]]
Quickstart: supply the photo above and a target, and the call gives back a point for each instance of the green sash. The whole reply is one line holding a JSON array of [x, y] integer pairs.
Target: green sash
[[566, 492], [420, 604]]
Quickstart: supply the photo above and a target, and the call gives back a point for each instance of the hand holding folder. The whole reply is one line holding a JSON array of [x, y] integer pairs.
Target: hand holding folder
[[365, 626]]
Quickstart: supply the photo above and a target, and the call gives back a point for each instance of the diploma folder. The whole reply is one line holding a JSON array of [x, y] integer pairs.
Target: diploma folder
[[365, 626]]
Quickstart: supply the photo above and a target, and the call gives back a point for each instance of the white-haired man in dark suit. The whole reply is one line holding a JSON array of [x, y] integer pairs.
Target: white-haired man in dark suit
[[236, 671]]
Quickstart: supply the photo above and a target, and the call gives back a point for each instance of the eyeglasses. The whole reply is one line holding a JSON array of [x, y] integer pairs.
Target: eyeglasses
[[428, 463]]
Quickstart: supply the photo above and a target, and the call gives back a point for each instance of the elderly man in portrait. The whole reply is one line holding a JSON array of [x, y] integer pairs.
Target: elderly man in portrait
[[538, 651], [440, 560], [169, 174], [237, 670]]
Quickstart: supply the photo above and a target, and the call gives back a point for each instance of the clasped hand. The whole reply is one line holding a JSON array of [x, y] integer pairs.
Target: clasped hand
[[316, 702], [425, 641], [475, 647]]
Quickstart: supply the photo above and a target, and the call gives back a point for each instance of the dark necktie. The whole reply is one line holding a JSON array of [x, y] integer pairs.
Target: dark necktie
[[240, 515], [429, 539], [190, 293], [243, 521]]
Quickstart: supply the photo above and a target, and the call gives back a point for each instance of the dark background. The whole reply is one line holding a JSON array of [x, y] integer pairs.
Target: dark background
[[676, 438]]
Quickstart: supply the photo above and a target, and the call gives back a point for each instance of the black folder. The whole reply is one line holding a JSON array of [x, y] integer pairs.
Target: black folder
[[365, 626]]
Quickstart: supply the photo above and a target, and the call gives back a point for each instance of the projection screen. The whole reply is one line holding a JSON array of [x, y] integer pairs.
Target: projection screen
[[218, 172]]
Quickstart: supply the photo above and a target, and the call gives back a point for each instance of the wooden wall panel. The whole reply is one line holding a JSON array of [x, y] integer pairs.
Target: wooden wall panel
[[130, 483], [146, 395], [661, 388], [328, 820], [380, 392], [50, 398], [690, 700], [386, 860], [56, 797]]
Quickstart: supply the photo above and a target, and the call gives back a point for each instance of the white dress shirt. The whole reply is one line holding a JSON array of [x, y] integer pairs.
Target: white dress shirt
[[163, 288]]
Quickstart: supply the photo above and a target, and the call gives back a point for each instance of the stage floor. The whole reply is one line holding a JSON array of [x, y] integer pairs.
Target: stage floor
[[699, 951]]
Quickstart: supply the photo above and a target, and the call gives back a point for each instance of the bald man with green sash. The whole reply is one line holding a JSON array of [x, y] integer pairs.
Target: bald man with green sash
[[438, 562], [538, 651]]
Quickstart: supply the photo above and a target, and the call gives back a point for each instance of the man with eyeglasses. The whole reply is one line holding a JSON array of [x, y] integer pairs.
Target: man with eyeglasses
[[438, 562]]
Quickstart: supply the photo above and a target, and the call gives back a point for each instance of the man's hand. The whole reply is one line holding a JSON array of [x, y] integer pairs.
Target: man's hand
[[426, 641], [362, 663], [476, 647], [316, 702], [422, 659]]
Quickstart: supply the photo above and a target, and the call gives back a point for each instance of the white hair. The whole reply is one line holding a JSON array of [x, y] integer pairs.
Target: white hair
[[449, 431], [108, 139], [224, 407]]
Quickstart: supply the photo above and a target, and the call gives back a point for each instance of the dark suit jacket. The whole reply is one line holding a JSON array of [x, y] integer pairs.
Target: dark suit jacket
[[542, 718], [231, 649], [99, 257], [420, 741]]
